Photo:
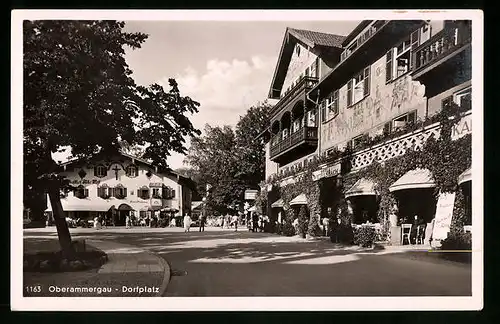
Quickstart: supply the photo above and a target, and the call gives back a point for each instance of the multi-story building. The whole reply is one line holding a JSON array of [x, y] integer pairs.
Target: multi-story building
[[337, 92], [123, 185]]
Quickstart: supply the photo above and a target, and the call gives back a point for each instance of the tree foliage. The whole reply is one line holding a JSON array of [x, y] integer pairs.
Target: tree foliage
[[230, 161], [79, 93]]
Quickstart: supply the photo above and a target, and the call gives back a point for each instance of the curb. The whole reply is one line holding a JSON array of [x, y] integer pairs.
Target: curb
[[166, 274]]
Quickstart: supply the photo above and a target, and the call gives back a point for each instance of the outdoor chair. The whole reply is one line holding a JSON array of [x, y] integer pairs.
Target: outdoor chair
[[405, 233]]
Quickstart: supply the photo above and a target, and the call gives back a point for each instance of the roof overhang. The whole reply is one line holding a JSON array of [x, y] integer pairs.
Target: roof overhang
[[465, 176], [299, 200], [362, 187]]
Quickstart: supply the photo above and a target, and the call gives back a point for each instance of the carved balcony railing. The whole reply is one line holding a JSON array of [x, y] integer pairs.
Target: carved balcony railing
[[395, 147], [305, 84], [440, 45], [296, 138]]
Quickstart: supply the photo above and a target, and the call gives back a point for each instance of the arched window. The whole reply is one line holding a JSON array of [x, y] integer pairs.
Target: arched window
[[132, 171], [81, 192], [143, 192], [100, 171]]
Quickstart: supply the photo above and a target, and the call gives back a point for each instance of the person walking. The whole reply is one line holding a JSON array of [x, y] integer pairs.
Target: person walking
[[235, 222], [202, 222], [187, 223], [326, 221]]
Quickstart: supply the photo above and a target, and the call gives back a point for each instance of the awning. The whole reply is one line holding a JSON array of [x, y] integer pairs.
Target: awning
[[414, 179], [77, 204], [277, 204], [363, 187], [465, 176], [299, 200]]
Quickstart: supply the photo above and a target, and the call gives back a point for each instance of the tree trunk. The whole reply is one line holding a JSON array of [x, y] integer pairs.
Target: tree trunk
[[61, 225]]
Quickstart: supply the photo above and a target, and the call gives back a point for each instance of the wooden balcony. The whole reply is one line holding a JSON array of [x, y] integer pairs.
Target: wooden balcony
[[445, 57], [307, 136], [297, 93]]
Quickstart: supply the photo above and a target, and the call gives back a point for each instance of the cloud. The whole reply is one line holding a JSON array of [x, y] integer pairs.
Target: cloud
[[225, 90]]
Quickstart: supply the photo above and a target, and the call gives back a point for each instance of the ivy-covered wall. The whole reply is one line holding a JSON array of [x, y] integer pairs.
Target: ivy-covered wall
[[444, 158]]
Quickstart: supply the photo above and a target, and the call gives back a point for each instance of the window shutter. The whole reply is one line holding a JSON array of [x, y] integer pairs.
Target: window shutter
[[85, 192], [349, 92], [173, 193], [125, 192], [414, 42], [323, 111], [366, 85], [139, 193], [412, 117], [388, 65], [95, 171], [387, 128]]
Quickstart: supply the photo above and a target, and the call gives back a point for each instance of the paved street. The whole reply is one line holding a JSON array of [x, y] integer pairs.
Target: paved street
[[227, 263]]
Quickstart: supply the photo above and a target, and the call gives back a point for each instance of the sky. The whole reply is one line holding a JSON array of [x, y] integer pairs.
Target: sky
[[227, 66]]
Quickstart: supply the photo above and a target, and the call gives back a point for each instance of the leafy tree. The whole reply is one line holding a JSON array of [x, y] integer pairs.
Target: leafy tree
[[213, 157], [78, 92], [251, 153]]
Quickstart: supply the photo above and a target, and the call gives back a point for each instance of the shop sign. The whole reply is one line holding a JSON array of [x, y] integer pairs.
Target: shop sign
[[462, 128], [444, 213], [327, 172], [250, 194], [85, 181], [156, 185], [155, 202]]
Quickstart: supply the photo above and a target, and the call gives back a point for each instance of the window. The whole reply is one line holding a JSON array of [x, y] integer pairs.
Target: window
[[358, 140], [120, 191], [398, 59], [100, 171], [156, 193], [297, 50], [143, 193], [403, 120], [285, 133], [330, 107], [359, 87], [103, 191], [297, 124], [168, 193], [463, 98], [311, 118], [132, 171], [81, 192]]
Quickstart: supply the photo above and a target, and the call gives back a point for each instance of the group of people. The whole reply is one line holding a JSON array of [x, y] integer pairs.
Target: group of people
[[188, 221], [257, 223]]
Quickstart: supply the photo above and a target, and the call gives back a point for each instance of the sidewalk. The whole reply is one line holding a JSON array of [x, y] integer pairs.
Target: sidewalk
[[129, 272]]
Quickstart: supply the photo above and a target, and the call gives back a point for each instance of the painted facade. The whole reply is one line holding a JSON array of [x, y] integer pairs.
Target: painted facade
[[164, 190], [385, 102], [302, 60]]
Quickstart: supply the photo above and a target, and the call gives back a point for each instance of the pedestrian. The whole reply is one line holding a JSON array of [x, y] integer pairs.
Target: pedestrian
[[187, 223], [296, 225], [96, 223], [325, 226], [127, 221], [202, 222], [280, 223], [255, 222], [235, 222]]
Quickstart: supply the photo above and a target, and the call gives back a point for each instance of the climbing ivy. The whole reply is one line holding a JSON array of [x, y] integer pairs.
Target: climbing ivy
[[444, 158]]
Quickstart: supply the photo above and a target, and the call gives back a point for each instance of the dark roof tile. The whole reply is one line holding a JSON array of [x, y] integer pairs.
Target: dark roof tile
[[317, 38]]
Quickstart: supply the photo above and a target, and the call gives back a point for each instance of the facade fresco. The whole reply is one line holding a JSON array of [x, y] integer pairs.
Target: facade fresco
[[300, 61], [116, 175], [385, 102]]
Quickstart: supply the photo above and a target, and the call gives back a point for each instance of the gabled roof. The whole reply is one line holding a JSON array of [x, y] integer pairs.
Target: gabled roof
[[181, 178], [312, 38], [319, 43]]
